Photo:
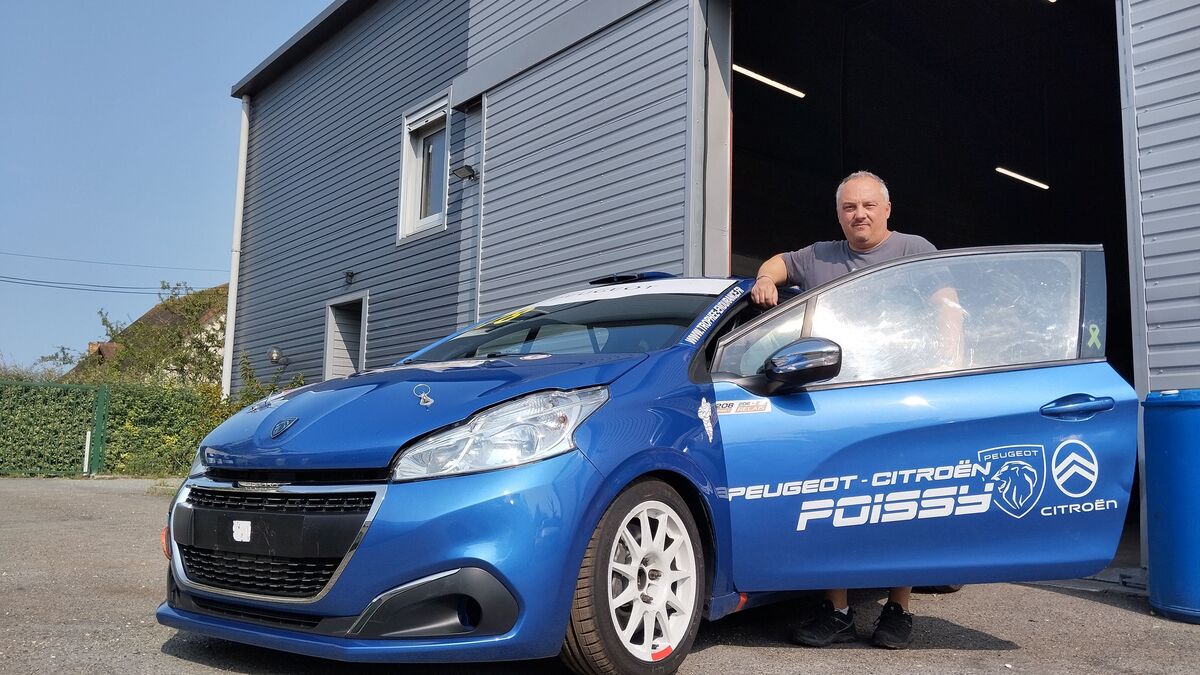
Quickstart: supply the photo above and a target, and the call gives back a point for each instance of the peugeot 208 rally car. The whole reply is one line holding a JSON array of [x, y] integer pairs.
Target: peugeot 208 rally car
[[595, 473]]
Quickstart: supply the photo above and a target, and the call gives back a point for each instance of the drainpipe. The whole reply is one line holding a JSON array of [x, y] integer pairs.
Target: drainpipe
[[235, 258]]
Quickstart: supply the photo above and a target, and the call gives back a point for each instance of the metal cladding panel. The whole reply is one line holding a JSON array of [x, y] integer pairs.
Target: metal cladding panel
[[585, 164], [495, 24], [322, 185], [1165, 54]]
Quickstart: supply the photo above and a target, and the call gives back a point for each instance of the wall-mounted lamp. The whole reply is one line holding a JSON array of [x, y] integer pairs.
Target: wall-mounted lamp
[[465, 172], [349, 276], [276, 357]]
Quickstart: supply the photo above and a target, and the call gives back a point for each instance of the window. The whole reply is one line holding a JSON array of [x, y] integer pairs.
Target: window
[[931, 316], [746, 355], [948, 314], [624, 324], [423, 171]]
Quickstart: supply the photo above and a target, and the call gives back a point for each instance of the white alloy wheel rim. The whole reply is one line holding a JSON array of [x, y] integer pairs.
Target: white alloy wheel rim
[[651, 581]]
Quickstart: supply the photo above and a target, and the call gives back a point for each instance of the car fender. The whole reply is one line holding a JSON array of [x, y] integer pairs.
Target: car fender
[[678, 468]]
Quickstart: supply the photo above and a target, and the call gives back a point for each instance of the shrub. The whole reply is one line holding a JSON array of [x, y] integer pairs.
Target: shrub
[[150, 430], [43, 427]]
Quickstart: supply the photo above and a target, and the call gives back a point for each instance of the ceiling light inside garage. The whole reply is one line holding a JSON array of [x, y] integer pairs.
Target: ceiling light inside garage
[[1027, 179], [768, 81]]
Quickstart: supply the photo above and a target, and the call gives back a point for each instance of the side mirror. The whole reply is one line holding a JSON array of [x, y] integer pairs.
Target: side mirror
[[802, 362]]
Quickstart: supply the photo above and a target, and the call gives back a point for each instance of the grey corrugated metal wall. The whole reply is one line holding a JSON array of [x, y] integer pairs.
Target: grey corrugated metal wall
[[586, 162], [1163, 81], [496, 24], [585, 165], [322, 185]]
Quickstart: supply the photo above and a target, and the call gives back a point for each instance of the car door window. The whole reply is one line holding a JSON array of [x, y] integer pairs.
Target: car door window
[[945, 314], [931, 316], [745, 356]]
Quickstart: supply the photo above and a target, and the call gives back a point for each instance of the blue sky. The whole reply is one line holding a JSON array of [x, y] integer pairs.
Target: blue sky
[[118, 142]]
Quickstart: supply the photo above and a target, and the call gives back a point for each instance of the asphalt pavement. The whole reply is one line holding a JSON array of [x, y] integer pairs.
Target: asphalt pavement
[[81, 573]]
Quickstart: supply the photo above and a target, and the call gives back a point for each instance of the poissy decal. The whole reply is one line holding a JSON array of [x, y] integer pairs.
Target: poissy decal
[[896, 506], [713, 315], [1012, 476]]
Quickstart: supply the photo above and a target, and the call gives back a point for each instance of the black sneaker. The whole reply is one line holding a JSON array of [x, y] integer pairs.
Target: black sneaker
[[826, 627], [893, 630]]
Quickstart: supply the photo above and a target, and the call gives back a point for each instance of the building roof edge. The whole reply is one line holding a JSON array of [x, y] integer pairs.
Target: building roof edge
[[304, 42]]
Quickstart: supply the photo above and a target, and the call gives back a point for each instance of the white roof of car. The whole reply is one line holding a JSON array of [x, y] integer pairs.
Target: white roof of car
[[692, 286]]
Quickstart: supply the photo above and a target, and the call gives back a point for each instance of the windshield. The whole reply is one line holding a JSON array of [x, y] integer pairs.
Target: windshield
[[590, 325]]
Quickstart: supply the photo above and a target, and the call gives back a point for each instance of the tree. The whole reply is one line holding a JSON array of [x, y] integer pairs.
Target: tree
[[177, 342]]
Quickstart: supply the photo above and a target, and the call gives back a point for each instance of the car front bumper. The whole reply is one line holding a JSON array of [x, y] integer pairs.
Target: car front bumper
[[468, 568]]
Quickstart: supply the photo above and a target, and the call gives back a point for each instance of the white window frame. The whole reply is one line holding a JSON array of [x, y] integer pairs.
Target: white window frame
[[326, 362], [418, 123]]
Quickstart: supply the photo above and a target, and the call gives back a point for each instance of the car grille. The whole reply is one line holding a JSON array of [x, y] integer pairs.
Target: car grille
[[266, 575], [257, 615], [279, 502]]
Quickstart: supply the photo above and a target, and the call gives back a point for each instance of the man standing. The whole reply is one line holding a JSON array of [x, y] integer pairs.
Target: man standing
[[863, 207]]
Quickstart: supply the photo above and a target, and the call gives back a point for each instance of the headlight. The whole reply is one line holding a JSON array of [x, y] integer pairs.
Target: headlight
[[198, 467], [526, 430]]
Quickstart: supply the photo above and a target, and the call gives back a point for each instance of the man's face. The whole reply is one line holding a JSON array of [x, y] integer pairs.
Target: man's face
[[863, 213]]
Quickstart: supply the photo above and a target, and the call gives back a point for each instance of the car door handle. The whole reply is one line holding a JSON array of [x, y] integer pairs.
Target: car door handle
[[1077, 406]]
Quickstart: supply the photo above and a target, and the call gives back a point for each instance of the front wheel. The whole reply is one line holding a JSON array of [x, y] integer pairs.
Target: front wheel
[[640, 588]]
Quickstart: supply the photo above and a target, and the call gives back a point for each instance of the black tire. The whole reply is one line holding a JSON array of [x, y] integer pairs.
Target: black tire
[[593, 645], [951, 588]]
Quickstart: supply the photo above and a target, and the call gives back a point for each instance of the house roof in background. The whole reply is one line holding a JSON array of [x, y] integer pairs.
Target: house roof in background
[[161, 315]]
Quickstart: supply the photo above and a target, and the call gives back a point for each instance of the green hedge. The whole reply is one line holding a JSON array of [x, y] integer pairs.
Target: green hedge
[[155, 430], [43, 427], [149, 430]]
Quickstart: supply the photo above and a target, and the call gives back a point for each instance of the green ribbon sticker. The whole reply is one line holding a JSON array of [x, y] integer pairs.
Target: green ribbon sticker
[[1094, 340]]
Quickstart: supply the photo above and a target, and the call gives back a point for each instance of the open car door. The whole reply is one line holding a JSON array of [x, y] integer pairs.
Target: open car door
[[974, 433]]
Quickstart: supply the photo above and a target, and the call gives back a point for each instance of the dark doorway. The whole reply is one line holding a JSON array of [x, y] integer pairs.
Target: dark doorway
[[933, 96]]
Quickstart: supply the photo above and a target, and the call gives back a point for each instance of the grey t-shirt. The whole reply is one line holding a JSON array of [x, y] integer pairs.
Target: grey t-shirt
[[825, 261]]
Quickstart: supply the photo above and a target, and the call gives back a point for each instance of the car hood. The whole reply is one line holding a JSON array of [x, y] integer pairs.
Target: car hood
[[359, 422]]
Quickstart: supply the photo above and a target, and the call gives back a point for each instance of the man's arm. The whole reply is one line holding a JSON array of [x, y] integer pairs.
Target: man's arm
[[771, 275], [949, 326]]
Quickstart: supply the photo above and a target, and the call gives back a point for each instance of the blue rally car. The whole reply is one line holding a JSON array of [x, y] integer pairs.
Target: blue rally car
[[593, 474]]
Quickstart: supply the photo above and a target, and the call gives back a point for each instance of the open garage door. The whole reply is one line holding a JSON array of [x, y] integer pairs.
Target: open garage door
[[992, 122], [935, 97]]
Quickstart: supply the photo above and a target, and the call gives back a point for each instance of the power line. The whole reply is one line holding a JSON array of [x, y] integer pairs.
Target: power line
[[82, 283], [116, 264], [68, 286]]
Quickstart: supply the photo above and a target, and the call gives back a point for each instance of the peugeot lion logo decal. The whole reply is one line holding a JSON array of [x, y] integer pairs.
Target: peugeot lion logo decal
[[1020, 478], [1075, 468], [282, 426], [422, 392]]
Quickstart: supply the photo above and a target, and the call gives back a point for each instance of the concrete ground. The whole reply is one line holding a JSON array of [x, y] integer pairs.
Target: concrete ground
[[81, 574]]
